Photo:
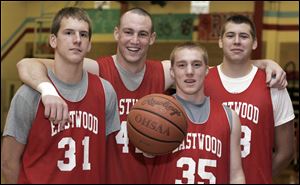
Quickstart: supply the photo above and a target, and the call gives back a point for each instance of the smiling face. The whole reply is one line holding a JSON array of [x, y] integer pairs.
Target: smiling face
[[237, 42], [134, 36], [189, 69], [71, 43]]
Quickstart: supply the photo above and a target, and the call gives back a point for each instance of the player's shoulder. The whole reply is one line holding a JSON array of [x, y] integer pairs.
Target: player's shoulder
[[258, 71], [105, 83], [27, 92], [104, 59], [27, 95], [108, 88], [155, 65], [151, 62]]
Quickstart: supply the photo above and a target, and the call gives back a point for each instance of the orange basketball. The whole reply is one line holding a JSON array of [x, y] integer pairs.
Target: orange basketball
[[157, 124]]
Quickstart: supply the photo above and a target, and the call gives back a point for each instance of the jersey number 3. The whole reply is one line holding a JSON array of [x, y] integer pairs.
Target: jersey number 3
[[245, 141], [189, 174]]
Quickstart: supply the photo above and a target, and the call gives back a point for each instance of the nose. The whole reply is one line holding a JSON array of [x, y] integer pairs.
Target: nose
[[77, 38], [189, 70], [134, 39], [237, 39]]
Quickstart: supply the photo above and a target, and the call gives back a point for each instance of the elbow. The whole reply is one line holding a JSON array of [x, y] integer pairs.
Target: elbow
[[21, 66], [10, 171], [6, 168], [290, 155], [21, 63], [286, 156]]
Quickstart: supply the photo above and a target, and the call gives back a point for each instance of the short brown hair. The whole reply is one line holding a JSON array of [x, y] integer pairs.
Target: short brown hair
[[240, 19], [73, 12]]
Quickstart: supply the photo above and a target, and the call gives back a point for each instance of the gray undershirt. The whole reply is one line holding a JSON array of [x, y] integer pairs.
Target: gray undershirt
[[199, 113], [130, 80]]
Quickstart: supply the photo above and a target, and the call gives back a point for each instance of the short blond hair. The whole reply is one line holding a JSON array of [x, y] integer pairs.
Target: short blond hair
[[189, 45]]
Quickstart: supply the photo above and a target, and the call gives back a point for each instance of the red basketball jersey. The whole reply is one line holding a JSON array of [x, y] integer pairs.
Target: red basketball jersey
[[254, 107], [125, 163], [204, 155], [74, 155]]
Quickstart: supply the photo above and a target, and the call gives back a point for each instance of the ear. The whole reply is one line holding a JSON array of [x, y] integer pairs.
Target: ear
[[116, 33], [220, 42], [89, 47], [52, 41], [172, 73], [206, 70], [254, 45], [152, 38]]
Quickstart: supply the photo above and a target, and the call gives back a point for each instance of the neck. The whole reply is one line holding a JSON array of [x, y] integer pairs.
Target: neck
[[194, 98], [236, 69], [131, 67], [67, 72]]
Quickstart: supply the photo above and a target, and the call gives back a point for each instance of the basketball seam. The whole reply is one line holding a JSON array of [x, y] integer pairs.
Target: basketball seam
[[161, 117], [166, 97], [150, 136]]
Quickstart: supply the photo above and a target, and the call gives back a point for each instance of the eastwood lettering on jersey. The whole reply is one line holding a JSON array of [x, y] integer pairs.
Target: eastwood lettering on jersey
[[125, 105], [80, 119], [198, 141], [244, 110]]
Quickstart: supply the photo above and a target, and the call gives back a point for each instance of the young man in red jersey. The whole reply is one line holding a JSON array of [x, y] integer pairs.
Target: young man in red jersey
[[211, 151], [266, 114], [35, 150]]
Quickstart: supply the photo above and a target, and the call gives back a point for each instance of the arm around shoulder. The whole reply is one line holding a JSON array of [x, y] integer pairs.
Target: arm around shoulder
[[275, 75], [91, 66], [34, 71]]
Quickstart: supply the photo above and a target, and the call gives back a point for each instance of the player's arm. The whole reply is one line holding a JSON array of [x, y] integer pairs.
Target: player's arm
[[283, 147], [275, 75], [33, 72], [168, 80], [236, 170], [11, 155]]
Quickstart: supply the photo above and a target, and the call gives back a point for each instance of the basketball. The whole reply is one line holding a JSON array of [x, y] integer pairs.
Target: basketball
[[157, 124]]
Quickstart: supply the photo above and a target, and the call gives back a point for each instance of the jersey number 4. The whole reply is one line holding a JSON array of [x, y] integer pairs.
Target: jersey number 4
[[68, 142], [122, 139]]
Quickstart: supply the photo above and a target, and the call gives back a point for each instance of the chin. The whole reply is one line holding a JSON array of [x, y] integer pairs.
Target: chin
[[76, 60], [190, 92], [133, 59]]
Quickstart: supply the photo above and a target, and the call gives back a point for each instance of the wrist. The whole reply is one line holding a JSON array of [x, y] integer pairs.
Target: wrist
[[47, 88]]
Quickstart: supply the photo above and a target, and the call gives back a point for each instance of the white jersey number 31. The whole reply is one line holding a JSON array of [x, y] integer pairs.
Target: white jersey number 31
[[70, 154]]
